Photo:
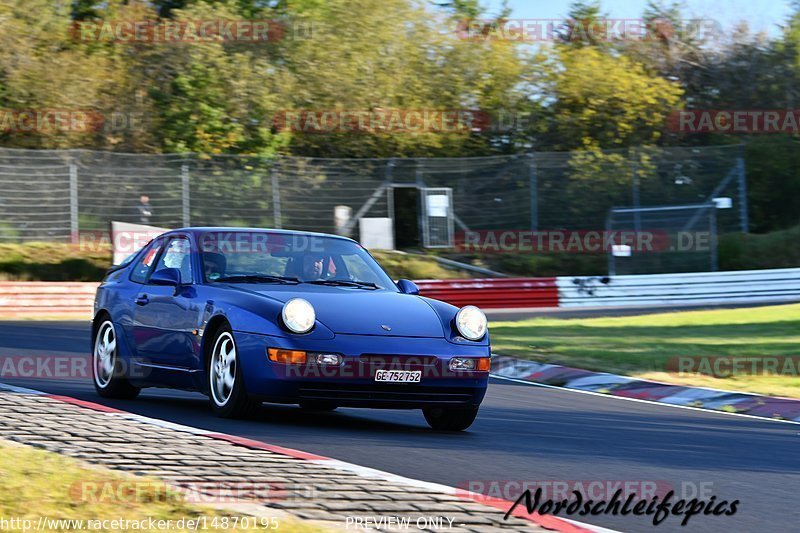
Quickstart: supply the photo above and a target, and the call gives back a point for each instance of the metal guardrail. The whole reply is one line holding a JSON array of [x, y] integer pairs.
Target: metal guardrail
[[691, 288], [26, 299]]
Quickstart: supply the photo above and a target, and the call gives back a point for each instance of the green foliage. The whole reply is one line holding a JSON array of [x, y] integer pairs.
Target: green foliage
[[368, 55], [605, 101], [536, 265], [407, 266], [584, 25], [773, 176], [751, 252], [216, 98], [40, 261], [46, 261], [587, 92]]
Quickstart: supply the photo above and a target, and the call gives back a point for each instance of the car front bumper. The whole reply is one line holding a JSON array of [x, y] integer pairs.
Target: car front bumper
[[352, 384]]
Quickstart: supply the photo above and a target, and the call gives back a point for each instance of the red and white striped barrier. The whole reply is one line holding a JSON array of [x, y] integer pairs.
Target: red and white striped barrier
[[495, 293], [24, 299], [32, 299]]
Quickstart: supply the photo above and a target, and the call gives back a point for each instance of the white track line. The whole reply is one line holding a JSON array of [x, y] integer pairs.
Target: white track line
[[21, 390], [651, 402]]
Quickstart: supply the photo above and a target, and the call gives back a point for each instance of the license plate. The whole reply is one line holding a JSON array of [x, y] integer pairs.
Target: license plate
[[398, 376]]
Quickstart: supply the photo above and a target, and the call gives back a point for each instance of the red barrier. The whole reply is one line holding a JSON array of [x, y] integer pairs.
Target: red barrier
[[493, 293], [30, 299]]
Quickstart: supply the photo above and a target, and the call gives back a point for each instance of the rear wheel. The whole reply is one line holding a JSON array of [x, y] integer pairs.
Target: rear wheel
[[226, 385], [107, 369], [450, 419]]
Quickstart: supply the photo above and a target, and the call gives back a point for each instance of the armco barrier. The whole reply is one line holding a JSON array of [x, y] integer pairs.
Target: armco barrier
[[675, 289], [493, 293], [22, 299], [28, 299]]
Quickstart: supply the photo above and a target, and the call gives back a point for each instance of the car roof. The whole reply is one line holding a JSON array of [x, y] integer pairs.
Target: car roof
[[206, 229]]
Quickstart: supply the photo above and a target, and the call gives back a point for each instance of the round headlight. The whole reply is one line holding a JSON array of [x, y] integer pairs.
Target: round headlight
[[471, 323], [298, 315]]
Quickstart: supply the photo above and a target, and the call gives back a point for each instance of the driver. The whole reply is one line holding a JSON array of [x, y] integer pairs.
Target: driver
[[214, 264], [313, 265]]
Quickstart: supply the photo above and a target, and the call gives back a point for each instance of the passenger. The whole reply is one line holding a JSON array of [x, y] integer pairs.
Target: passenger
[[313, 267]]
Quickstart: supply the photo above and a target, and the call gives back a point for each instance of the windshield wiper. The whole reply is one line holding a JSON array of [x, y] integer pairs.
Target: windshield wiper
[[257, 278], [344, 283]]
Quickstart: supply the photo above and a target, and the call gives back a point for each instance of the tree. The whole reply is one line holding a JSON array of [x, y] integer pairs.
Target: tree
[[368, 55], [38, 52], [600, 100], [585, 26], [217, 97]]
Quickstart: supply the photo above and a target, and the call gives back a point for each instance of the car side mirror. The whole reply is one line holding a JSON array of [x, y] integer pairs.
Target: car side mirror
[[166, 276], [407, 286]]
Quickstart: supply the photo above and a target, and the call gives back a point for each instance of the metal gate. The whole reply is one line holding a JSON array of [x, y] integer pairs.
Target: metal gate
[[437, 217]]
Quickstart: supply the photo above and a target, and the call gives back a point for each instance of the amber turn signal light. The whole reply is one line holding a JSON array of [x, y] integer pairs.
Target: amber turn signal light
[[484, 364], [288, 357]]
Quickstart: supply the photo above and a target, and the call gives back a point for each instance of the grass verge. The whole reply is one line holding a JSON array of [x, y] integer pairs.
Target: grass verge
[[643, 346], [44, 484]]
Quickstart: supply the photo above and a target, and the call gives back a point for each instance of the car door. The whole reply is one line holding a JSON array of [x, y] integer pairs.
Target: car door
[[140, 272], [166, 317]]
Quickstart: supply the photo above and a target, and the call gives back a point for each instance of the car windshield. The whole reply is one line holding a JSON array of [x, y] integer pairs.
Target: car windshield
[[288, 258]]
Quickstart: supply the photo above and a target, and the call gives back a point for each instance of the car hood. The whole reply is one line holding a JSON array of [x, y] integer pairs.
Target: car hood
[[365, 312]]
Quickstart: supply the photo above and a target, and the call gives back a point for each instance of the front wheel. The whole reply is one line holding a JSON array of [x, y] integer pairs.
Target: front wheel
[[450, 419], [107, 368], [227, 392]]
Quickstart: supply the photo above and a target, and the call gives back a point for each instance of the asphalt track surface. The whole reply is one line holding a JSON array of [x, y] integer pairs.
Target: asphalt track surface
[[523, 433]]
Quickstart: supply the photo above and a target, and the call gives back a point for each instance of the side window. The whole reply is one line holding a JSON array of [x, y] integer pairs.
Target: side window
[[178, 255], [359, 270], [143, 267]]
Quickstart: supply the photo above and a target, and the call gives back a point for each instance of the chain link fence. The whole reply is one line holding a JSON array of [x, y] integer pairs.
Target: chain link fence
[[52, 195]]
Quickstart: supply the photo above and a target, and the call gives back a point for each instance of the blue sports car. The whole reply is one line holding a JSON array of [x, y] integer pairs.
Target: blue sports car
[[249, 316]]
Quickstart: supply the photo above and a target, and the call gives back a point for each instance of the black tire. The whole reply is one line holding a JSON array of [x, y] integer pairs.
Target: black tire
[[108, 372], [318, 406], [443, 419], [233, 402]]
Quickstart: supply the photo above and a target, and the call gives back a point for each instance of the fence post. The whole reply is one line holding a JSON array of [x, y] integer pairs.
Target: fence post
[[73, 203], [714, 241], [185, 202], [612, 261], [533, 179], [744, 216], [276, 195], [637, 219]]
